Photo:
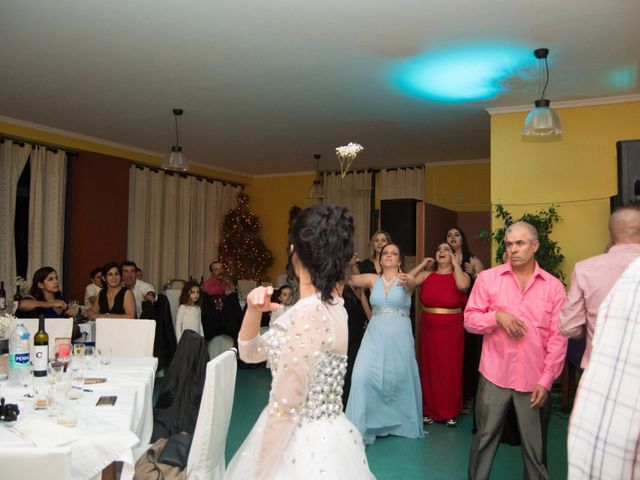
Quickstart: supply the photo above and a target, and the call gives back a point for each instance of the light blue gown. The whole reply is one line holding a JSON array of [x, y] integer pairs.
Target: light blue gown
[[385, 397]]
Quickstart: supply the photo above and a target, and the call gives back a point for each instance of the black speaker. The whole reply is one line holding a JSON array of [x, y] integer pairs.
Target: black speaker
[[628, 171], [398, 218]]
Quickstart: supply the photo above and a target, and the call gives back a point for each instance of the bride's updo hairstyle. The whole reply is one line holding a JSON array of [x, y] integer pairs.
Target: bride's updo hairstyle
[[322, 237]]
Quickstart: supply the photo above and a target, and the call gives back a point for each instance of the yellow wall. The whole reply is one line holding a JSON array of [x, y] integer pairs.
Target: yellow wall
[[271, 198], [461, 188], [79, 144], [577, 172]]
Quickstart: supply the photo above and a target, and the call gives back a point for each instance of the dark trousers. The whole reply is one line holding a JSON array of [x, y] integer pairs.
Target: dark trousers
[[491, 406]]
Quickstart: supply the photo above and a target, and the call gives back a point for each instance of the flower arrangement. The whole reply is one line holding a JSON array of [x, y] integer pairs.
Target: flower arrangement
[[22, 284], [346, 156], [5, 323]]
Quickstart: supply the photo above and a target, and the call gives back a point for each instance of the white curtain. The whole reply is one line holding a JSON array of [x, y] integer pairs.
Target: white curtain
[[354, 192], [175, 223], [46, 210], [402, 183], [13, 158]]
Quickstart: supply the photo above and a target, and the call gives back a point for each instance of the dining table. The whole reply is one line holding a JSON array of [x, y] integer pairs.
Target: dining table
[[104, 434]]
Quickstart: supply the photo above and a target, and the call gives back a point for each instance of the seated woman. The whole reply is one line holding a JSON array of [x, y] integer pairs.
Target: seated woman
[[114, 301], [44, 297]]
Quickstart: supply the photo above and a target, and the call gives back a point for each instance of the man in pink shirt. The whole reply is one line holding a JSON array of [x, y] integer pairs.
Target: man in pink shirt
[[515, 306], [593, 278], [217, 285]]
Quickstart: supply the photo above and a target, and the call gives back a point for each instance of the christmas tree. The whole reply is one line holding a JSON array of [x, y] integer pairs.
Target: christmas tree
[[242, 251]]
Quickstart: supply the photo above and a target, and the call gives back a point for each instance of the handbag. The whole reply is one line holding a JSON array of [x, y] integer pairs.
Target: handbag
[[176, 450]]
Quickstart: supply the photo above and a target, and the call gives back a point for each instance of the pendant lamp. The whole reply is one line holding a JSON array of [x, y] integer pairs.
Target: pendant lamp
[[176, 160], [317, 190], [542, 120]]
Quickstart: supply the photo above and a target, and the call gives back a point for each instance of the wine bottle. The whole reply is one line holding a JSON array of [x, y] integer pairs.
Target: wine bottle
[[40, 350], [16, 299], [3, 297]]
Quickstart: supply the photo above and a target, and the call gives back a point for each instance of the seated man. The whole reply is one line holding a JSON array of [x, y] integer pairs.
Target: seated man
[[142, 291]]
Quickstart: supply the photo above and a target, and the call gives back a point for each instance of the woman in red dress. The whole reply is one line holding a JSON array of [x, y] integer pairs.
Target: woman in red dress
[[442, 335]]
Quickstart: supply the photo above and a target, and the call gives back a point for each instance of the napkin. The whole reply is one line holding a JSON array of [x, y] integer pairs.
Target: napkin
[[44, 433]]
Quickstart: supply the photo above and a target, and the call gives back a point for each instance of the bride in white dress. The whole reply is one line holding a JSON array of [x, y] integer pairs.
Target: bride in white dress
[[302, 432]]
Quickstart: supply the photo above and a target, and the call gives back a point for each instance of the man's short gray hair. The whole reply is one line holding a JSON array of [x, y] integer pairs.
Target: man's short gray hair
[[533, 232]]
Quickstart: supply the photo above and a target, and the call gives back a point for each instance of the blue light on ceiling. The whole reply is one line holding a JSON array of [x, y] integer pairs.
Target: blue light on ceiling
[[624, 78], [463, 73]]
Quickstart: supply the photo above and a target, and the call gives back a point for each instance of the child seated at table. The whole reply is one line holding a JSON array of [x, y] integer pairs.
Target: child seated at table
[[189, 314]]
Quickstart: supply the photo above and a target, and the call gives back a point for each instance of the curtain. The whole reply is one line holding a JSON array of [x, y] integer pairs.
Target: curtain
[[175, 223], [13, 158], [402, 183], [46, 210], [354, 192]]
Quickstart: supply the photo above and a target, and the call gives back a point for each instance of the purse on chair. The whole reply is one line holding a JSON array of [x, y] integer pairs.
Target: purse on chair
[[176, 450]]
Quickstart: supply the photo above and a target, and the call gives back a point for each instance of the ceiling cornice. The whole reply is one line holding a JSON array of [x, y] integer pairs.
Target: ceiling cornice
[[587, 102]]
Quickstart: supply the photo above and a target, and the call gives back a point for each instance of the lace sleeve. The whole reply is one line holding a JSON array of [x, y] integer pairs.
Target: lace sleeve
[[308, 335], [253, 351]]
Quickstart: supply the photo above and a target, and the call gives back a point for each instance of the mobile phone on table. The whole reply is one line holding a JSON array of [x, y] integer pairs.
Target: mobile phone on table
[[106, 400]]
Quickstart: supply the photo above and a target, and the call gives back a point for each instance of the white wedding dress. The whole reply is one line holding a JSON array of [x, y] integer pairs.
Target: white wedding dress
[[302, 432]]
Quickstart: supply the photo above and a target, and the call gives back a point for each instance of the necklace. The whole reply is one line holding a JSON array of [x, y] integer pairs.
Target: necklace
[[388, 283]]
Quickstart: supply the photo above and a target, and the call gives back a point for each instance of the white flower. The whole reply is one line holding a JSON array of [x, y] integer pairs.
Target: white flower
[[349, 151], [5, 323]]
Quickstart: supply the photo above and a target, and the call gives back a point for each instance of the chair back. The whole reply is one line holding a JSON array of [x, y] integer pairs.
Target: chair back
[[206, 457], [126, 337], [55, 328], [219, 344], [30, 463]]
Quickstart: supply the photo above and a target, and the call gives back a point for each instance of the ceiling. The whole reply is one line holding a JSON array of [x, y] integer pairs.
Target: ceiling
[[266, 84]]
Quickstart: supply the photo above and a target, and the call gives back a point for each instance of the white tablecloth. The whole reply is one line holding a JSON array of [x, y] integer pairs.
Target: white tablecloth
[[104, 434]]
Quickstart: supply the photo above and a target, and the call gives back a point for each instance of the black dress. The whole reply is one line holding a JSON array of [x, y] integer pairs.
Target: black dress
[[118, 302], [357, 319]]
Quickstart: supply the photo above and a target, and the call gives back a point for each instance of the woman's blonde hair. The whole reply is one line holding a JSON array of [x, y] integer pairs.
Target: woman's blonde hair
[[372, 241]]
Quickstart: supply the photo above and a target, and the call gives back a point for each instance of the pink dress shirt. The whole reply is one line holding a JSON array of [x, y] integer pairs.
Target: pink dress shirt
[[215, 287], [591, 281], [538, 356]]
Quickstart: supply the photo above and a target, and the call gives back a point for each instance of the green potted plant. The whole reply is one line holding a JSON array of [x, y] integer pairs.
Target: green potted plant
[[549, 255]]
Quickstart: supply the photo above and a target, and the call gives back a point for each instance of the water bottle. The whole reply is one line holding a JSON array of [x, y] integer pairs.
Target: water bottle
[[19, 361]]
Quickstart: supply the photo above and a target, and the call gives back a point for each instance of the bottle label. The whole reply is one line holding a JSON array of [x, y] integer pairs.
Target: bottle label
[[3, 303], [41, 356], [19, 360]]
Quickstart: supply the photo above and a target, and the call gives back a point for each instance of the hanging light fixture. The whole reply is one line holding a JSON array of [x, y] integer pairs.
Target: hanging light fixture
[[542, 120], [175, 159], [317, 190]]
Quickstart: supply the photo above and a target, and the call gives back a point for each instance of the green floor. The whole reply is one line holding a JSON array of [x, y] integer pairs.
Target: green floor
[[441, 454]]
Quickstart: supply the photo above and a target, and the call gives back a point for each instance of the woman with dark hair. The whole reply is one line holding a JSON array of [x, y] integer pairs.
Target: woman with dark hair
[[442, 334], [472, 342], [468, 261], [114, 300], [385, 397], [306, 348], [45, 297]]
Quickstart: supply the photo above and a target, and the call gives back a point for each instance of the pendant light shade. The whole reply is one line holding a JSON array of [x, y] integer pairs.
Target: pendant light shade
[[317, 190], [542, 120], [176, 160]]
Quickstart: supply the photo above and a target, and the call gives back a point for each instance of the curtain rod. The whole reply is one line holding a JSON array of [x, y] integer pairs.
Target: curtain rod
[[373, 170], [200, 178], [21, 142]]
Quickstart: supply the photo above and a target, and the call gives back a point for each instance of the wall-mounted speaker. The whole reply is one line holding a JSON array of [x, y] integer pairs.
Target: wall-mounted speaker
[[398, 218], [628, 171]]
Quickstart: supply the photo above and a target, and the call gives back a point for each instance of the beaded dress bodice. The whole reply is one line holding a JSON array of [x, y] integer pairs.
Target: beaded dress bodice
[[324, 394]]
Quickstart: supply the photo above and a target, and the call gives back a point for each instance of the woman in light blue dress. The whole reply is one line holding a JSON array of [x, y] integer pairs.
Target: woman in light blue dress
[[385, 397]]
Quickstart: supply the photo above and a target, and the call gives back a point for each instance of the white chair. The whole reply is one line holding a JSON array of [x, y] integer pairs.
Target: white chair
[[30, 463], [206, 457], [219, 344], [55, 328], [126, 337]]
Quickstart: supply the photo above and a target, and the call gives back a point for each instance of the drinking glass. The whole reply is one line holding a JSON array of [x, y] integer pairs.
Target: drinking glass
[[78, 350], [68, 415], [105, 355]]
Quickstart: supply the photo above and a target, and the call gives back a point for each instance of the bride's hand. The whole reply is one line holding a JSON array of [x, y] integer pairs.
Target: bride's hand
[[260, 299]]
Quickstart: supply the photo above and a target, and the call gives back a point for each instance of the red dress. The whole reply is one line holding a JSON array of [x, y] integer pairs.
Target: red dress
[[441, 347]]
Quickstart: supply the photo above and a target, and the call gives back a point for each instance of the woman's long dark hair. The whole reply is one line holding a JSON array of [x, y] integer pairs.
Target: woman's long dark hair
[[466, 254], [35, 291], [322, 238]]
